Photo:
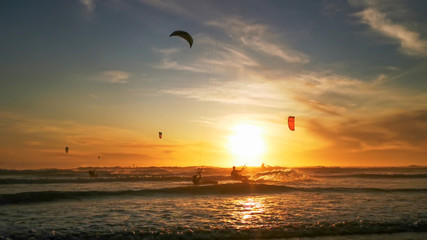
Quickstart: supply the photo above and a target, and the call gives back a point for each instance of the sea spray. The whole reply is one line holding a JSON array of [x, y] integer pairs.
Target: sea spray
[[280, 175]]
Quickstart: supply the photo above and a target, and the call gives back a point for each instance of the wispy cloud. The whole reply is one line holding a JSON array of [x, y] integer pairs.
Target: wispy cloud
[[225, 60], [166, 51], [402, 130], [322, 92], [168, 64], [234, 92], [168, 6], [249, 42], [228, 57], [113, 76], [321, 106], [84, 140], [32, 143], [89, 5], [195, 10], [345, 96], [410, 41], [260, 38], [331, 8]]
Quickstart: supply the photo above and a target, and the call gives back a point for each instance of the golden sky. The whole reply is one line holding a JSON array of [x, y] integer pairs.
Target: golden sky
[[104, 77]]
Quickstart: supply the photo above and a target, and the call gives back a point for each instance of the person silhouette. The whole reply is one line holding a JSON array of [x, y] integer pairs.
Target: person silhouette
[[197, 177], [235, 174]]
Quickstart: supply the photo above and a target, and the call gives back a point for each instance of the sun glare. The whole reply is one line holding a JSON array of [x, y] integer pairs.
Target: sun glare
[[247, 145]]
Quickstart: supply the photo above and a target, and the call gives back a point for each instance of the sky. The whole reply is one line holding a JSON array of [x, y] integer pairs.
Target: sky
[[104, 78]]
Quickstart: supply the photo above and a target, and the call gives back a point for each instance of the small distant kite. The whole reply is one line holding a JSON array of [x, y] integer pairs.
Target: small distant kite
[[291, 123], [160, 135], [99, 157], [66, 149], [184, 35]]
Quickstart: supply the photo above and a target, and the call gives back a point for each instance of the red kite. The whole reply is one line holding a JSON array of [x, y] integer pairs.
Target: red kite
[[291, 123]]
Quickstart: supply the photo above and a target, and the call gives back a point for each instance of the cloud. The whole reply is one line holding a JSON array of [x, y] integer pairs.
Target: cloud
[[225, 60], [339, 95], [229, 57], [168, 64], [50, 134], [410, 41], [322, 107], [321, 92], [107, 156], [247, 41], [234, 92], [215, 58], [331, 8], [194, 10], [167, 51], [398, 131], [259, 38], [380, 80], [44, 140], [89, 5], [169, 6], [32, 143], [113, 76], [149, 145]]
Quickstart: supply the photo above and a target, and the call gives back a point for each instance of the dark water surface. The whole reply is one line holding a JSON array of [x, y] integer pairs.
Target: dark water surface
[[162, 203]]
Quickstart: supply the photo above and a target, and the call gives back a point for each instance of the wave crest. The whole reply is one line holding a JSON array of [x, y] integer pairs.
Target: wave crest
[[221, 189], [280, 175]]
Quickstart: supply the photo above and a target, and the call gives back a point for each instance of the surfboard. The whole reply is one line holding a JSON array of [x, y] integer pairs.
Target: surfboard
[[248, 181], [207, 182]]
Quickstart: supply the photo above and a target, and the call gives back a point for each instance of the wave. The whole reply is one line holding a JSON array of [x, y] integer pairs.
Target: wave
[[284, 176], [113, 171], [144, 178], [280, 175], [399, 229], [221, 189], [271, 173], [376, 176]]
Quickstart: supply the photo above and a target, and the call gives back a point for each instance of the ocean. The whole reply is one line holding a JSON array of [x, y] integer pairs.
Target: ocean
[[162, 203]]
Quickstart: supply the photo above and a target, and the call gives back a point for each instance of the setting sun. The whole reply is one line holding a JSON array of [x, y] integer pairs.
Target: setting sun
[[247, 145], [174, 119]]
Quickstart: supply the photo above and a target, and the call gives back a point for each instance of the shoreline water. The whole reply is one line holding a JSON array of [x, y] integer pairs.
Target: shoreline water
[[162, 203]]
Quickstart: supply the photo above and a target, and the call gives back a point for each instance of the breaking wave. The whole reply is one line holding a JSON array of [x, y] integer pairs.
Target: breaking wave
[[401, 229], [221, 189], [93, 180], [377, 176], [280, 175]]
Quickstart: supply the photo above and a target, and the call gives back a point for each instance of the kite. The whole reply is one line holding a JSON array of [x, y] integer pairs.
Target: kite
[[291, 123], [184, 35]]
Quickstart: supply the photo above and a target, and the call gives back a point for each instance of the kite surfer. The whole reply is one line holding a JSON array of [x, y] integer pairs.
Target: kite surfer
[[92, 173], [235, 174], [197, 177]]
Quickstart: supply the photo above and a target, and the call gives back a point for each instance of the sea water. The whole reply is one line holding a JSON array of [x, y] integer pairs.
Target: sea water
[[162, 203]]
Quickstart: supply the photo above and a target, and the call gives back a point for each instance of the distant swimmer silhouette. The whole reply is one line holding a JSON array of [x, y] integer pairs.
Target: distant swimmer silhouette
[[197, 177], [92, 173], [235, 174]]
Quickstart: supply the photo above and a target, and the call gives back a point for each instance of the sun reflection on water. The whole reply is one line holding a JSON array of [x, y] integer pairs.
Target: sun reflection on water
[[249, 211]]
